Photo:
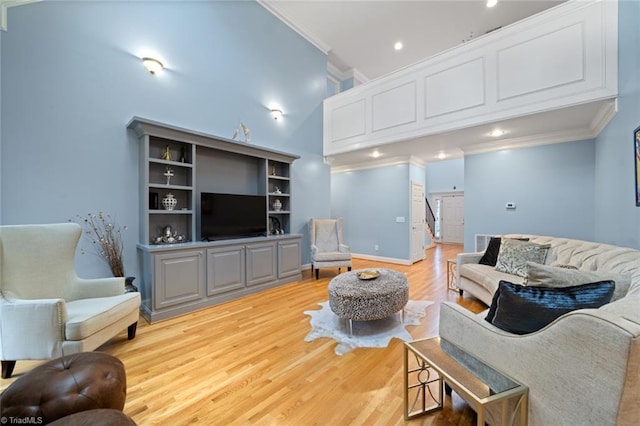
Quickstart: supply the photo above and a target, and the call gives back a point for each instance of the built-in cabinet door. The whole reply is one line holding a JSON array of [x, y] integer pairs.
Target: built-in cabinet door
[[178, 277], [261, 263], [288, 258], [225, 269]]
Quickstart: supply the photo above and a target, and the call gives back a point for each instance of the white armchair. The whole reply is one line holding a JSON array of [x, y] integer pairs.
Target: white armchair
[[46, 311], [327, 245]]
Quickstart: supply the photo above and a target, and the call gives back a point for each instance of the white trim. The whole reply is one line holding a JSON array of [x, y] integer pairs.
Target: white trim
[[305, 33], [4, 5], [532, 140], [604, 116], [358, 77], [417, 161], [446, 193], [335, 82], [382, 259], [374, 164], [335, 71]]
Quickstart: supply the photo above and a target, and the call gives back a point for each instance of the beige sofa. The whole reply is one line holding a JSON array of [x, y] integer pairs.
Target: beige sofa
[[583, 368]]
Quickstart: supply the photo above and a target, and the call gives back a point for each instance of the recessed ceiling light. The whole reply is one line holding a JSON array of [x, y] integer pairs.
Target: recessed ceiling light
[[491, 3], [398, 45], [496, 133], [376, 154], [442, 156]]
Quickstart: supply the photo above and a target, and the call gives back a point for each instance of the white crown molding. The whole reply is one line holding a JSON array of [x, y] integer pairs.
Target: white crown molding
[[532, 140], [604, 116], [375, 164], [417, 161], [305, 33], [358, 76], [5, 4], [335, 71]]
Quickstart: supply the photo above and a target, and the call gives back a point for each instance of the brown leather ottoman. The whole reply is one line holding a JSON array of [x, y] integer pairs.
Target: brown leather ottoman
[[67, 385], [99, 417]]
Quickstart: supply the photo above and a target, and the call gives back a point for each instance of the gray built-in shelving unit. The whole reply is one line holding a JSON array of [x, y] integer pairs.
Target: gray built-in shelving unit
[[190, 274]]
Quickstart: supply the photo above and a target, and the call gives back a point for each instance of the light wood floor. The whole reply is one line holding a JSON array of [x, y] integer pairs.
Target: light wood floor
[[246, 361]]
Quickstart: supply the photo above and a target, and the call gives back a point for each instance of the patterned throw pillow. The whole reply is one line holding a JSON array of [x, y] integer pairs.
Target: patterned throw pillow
[[515, 254], [490, 256]]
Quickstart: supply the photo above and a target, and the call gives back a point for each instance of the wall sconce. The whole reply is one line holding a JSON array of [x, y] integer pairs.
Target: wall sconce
[[276, 114], [152, 65]]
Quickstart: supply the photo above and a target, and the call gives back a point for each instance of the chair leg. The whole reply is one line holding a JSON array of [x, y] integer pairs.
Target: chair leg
[[339, 270], [349, 268], [7, 368], [131, 331], [317, 271]]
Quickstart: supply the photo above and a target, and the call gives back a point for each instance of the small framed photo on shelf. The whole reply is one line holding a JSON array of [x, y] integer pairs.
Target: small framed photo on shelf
[[636, 151]]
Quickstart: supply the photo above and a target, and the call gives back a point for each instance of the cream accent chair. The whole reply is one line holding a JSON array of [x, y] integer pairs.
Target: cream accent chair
[[327, 245], [46, 311]]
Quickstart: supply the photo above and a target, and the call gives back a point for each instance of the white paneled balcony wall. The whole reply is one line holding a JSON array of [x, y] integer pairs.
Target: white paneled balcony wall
[[559, 58]]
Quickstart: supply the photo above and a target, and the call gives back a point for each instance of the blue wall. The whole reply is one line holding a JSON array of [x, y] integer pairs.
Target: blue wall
[[552, 187], [444, 176], [617, 219], [72, 79], [369, 201], [585, 189]]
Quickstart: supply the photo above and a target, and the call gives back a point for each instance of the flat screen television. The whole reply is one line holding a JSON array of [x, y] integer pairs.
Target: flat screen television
[[232, 216]]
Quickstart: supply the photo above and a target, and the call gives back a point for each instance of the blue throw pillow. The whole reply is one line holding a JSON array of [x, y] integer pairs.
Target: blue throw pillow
[[521, 310]]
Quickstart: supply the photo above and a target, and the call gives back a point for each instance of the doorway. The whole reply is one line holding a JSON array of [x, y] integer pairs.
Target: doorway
[[417, 222], [450, 217]]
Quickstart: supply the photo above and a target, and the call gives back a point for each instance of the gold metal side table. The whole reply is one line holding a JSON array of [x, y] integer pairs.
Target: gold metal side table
[[451, 275], [433, 366]]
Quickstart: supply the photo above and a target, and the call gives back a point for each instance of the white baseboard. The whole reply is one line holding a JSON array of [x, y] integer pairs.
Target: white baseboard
[[382, 259]]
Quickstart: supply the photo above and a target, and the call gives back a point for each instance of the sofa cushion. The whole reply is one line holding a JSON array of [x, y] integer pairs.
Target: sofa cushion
[[486, 276], [554, 276], [521, 310], [514, 255]]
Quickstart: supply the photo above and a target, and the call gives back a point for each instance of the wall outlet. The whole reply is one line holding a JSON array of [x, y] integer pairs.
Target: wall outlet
[[399, 219], [376, 247]]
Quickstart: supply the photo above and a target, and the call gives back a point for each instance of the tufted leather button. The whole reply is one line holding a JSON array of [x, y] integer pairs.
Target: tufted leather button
[[67, 385]]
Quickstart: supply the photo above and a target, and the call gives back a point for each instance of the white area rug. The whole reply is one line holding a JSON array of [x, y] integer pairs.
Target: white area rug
[[366, 334]]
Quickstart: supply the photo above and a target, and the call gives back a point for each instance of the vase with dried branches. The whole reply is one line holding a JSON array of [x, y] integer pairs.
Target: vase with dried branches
[[107, 239]]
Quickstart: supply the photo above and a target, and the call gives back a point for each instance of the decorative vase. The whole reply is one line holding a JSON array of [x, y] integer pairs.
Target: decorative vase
[[277, 205], [169, 202], [128, 285]]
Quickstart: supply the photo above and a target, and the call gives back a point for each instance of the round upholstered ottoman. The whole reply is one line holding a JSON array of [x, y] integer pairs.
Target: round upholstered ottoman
[[356, 299], [67, 385]]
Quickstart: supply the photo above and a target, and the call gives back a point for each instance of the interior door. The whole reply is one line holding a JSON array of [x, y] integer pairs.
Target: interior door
[[452, 219], [417, 222]]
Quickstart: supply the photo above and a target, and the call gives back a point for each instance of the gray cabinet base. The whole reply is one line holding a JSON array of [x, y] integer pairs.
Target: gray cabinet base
[[182, 278]]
